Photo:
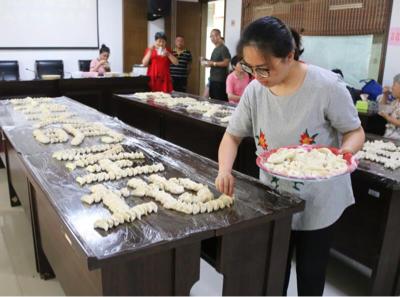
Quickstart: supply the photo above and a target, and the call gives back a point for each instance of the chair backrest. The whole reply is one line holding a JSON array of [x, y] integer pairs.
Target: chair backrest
[[9, 70], [49, 67], [84, 65]]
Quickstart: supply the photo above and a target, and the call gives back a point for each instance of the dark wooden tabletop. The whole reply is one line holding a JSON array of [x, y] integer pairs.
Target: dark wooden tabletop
[[181, 109], [388, 177], [254, 202]]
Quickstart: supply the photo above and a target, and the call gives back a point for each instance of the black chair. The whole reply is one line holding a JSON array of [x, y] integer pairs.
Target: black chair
[[84, 65], [9, 70], [44, 67]]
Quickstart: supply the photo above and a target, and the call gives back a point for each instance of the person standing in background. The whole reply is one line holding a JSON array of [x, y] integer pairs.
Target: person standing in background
[[101, 64], [158, 59], [236, 82], [180, 72], [219, 63]]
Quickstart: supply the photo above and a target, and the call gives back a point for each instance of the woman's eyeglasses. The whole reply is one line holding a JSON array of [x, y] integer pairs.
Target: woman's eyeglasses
[[260, 71]]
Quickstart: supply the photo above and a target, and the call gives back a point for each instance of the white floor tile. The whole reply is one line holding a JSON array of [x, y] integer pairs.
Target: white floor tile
[[34, 286], [18, 239], [20, 268], [210, 283], [8, 281]]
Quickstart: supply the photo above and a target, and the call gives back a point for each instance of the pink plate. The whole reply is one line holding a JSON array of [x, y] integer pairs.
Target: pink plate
[[352, 163]]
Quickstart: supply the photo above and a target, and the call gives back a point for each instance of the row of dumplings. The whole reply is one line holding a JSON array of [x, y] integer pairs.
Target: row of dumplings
[[121, 212], [52, 135], [385, 153], [75, 153], [122, 173], [160, 189]]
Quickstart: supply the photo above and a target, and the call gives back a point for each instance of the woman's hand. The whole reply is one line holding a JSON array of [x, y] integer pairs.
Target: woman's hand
[[386, 90], [383, 115], [225, 183]]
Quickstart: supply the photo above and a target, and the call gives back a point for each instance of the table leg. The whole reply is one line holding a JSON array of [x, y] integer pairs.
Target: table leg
[[253, 260], [386, 271]]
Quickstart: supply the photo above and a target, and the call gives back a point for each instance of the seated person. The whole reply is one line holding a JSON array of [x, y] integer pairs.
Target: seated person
[[355, 94], [100, 64], [236, 81], [390, 110]]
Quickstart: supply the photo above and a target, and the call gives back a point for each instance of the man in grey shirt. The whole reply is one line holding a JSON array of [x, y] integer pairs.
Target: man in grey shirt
[[219, 63]]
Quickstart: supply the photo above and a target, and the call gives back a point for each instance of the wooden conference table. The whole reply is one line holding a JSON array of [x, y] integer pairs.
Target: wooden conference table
[[369, 231], [159, 255], [192, 131], [93, 92]]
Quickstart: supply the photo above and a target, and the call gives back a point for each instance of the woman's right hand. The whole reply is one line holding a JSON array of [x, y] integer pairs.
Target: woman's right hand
[[225, 183], [386, 90]]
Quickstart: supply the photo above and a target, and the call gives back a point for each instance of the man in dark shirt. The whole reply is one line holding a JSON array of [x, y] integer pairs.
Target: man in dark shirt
[[180, 72], [219, 63]]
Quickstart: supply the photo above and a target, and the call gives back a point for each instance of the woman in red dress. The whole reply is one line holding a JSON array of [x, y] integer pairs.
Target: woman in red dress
[[158, 58]]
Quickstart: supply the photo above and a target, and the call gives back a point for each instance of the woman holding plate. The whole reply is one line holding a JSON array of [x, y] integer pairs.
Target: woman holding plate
[[290, 102]]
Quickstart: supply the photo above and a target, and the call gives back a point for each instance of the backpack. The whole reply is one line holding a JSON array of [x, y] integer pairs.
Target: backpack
[[372, 88]]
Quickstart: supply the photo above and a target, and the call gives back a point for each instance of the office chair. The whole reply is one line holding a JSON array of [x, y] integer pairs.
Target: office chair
[[49, 67], [9, 70], [84, 65]]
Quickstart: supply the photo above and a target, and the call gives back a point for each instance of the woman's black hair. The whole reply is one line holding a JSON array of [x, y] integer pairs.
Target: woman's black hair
[[271, 36], [299, 45], [235, 60], [338, 71], [104, 49], [160, 35]]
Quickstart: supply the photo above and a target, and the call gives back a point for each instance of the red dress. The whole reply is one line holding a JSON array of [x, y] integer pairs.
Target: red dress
[[158, 71]]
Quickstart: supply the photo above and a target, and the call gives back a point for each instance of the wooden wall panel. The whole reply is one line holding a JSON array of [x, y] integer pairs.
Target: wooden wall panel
[[323, 17], [188, 24], [135, 32]]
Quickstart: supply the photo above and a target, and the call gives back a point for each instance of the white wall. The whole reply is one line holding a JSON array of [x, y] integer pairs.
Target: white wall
[[233, 20], [110, 33], [153, 27], [392, 63]]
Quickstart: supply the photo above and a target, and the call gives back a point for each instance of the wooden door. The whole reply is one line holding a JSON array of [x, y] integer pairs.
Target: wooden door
[[188, 24], [135, 32]]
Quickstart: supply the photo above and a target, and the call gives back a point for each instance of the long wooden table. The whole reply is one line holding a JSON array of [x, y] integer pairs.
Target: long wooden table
[[159, 255], [190, 130], [94, 92], [368, 231]]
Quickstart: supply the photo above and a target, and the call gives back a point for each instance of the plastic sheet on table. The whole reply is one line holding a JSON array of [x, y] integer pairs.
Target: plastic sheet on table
[[16, 118], [182, 110], [23, 141], [390, 178], [252, 200]]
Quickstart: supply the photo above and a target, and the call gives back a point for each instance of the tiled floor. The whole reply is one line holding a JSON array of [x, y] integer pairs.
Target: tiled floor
[[18, 275]]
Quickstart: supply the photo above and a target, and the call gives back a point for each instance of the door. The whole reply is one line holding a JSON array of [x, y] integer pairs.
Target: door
[[135, 32], [188, 24]]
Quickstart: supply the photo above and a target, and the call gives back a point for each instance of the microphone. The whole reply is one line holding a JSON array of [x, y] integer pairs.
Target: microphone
[[36, 76]]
